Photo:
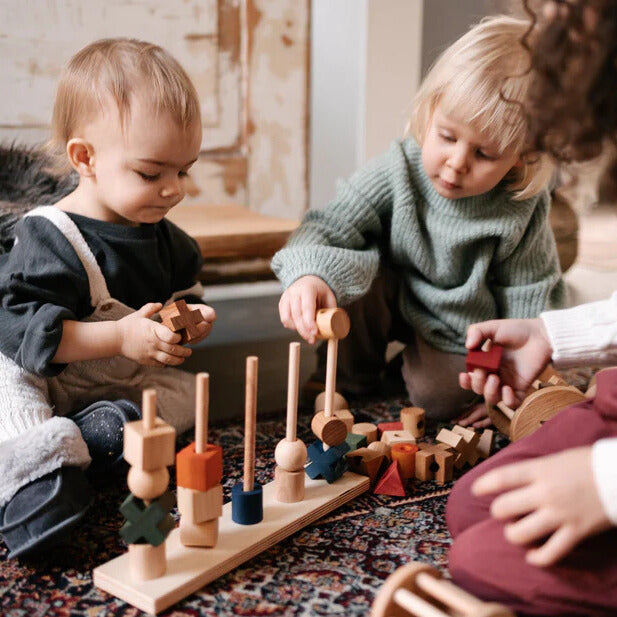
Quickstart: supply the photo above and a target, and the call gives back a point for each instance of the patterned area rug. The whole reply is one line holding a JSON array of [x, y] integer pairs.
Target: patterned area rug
[[333, 567]]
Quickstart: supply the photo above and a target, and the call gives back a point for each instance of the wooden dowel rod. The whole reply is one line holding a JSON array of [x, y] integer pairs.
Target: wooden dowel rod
[[250, 419], [330, 376], [148, 408], [415, 605], [202, 401], [505, 410], [293, 377], [448, 593]]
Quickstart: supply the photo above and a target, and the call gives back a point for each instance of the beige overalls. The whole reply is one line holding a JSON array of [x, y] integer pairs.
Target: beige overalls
[[35, 437]]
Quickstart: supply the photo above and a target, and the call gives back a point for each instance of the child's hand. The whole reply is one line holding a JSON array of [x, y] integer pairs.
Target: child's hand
[[526, 353], [477, 417], [299, 303], [553, 496], [205, 327], [149, 342]]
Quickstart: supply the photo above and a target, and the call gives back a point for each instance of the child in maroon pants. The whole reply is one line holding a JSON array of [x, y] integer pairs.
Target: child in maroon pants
[[484, 562]]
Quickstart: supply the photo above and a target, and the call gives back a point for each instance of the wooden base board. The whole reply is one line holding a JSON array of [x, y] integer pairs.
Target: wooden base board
[[190, 568]]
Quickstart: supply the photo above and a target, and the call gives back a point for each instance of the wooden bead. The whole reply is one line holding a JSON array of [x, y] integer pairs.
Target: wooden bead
[[289, 485], [367, 429], [405, 454], [146, 561], [339, 402], [330, 431], [204, 534], [199, 471], [290, 455], [200, 506], [391, 437], [152, 448], [147, 485], [413, 420], [332, 323]]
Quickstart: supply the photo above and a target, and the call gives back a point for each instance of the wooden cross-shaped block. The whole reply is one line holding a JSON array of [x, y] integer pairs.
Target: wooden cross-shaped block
[[464, 441], [178, 318], [150, 523]]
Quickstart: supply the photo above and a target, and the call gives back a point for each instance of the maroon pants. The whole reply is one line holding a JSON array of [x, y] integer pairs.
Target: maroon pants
[[481, 560]]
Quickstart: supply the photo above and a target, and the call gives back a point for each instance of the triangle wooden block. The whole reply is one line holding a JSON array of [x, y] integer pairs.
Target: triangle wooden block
[[391, 482]]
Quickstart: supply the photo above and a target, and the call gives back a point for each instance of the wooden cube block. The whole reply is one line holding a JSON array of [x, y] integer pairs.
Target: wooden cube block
[[445, 464], [200, 506], [199, 471], [204, 534], [346, 417], [413, 420], [487, 360], [425, 466], [400, 436], [405, 454], [149, 449], [367, 429]]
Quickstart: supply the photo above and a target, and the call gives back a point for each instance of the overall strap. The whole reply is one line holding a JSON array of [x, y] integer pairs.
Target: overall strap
[[96, 280]]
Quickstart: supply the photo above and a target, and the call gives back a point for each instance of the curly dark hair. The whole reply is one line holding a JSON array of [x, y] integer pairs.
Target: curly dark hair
[[572, 103]]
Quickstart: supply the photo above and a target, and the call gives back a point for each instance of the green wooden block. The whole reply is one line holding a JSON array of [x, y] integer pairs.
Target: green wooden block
[[150, 524], [355, 441]]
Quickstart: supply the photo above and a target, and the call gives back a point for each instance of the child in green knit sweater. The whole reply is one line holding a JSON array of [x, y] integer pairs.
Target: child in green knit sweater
[[447, 228]]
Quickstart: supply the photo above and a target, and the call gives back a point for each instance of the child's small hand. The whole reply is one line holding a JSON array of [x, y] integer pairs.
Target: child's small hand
[[526, 353], [209, 317], [299, 303], [149, 342], [552, 497], [476, 416]]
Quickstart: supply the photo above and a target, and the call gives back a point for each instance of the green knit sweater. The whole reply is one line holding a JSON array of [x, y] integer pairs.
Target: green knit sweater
[[460, 261]]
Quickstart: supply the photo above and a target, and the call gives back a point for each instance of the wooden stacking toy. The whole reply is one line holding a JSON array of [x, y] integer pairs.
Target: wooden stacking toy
[[290, 453], [200, 508], [149, 447], [247, 498], [331, 426], [419, 590]]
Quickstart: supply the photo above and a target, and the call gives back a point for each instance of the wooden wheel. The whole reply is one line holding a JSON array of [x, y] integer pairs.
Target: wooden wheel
[[541, 406]]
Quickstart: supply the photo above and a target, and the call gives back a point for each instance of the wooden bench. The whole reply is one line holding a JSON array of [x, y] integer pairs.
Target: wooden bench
[[236, 243]]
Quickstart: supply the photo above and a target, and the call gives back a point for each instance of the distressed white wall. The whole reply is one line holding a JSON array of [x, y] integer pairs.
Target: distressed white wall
[[365, 68]]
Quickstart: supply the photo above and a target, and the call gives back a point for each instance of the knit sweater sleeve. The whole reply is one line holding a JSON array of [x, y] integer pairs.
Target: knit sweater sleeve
[[528, 279], [340, 244], [585, 334]]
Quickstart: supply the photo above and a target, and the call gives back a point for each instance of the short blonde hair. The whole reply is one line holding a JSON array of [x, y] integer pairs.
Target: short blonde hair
[[118, 69], [482, 80]]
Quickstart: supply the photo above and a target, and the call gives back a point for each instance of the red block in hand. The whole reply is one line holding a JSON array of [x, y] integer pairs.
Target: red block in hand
[[487, 360]]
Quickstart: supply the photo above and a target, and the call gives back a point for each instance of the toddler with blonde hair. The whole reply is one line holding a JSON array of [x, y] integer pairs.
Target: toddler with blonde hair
[[84, 281], [448, 227]]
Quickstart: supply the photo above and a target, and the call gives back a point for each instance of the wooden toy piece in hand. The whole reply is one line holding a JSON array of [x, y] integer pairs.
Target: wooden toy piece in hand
[[487, 358], [179, 318]]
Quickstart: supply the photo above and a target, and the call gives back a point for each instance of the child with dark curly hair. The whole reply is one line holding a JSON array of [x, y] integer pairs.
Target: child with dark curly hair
[[534, 526]]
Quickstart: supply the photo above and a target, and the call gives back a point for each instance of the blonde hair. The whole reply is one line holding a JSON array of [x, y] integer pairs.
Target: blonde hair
[[482, 80], [118, 69]]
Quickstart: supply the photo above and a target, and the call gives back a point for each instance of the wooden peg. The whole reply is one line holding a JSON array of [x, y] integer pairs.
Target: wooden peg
[[202, 398], [290, 453]]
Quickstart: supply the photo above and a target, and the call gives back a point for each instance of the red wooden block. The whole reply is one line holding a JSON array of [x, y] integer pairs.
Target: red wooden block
[[487, 360], [391, 482], [389, 426], [202, 471]]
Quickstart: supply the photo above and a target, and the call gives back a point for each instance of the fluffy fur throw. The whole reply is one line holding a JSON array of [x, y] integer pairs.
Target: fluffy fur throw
[[25, 182]]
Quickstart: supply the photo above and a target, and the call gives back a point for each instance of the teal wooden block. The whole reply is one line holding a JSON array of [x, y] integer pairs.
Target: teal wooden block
[[355, 441]]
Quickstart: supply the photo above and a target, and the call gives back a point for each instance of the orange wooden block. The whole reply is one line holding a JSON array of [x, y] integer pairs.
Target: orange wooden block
[[391, 483], [405, 454], [179, 318], [149, 449], [202, 471]]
